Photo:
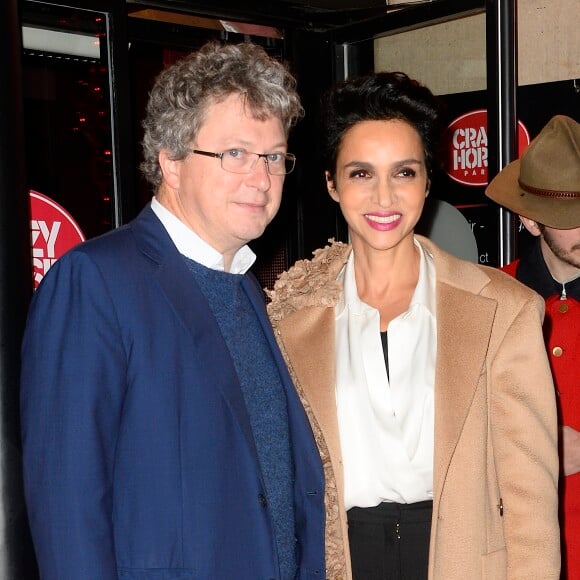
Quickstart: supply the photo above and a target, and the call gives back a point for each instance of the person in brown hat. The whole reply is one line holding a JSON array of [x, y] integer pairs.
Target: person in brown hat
[[543, 188]]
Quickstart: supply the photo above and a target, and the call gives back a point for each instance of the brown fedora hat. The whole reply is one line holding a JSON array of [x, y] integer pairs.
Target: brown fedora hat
[[544, 185]]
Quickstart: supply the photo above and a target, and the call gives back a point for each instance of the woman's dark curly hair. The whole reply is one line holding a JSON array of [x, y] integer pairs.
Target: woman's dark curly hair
[[380, 96]]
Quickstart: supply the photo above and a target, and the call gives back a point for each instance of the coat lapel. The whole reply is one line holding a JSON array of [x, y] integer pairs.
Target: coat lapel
[[192, 310], [464, 322], [464, 325], [307, 336]]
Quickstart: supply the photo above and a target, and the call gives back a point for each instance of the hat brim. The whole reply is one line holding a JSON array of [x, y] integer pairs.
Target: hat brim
[[559, 213]]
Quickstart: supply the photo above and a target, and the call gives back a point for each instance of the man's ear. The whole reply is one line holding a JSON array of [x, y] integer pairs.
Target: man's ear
[[531, 226], [170, 169], [330, 186]]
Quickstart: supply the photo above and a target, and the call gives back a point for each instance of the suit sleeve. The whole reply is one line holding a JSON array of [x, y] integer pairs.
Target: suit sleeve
[[72, 388], [524, 431]]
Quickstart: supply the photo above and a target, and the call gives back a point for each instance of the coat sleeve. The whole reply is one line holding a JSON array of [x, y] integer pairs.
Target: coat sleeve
[[72, 388], [524, 432]]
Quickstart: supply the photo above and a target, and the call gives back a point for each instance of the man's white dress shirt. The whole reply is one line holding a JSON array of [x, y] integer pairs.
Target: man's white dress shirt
[[193, 247]]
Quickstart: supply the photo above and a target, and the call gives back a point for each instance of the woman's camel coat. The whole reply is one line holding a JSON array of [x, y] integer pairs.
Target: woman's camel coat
[[495, 469]]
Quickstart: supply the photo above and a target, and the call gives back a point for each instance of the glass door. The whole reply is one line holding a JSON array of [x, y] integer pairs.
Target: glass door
[[443, 46], [67, 112]]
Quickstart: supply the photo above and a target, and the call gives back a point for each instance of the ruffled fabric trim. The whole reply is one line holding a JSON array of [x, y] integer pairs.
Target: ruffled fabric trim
[[309, 282], [333, 537], [314, 283]]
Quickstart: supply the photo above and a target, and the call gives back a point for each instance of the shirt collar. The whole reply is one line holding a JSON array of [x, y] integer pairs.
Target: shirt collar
[[193, 247], [534, 273], [424, 294], [425, 291]]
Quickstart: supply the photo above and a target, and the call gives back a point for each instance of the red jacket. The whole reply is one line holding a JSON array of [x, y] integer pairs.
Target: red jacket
[[562, 334]]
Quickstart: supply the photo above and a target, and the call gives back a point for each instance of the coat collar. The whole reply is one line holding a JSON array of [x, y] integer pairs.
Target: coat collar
[[534, 273], [310, 283], [151, 237], [314, 282]]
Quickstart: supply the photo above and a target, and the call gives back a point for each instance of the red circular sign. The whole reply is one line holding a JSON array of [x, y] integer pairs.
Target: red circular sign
[[467, 148], [53, 232]]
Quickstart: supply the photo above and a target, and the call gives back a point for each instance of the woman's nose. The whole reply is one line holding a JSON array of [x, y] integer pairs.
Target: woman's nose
[[383, 194]]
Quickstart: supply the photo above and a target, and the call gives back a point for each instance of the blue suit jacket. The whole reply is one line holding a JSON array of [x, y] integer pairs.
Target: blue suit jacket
[[139, 460]]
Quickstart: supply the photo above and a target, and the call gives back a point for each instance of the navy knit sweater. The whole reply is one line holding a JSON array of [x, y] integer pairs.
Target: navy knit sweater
[[264, 397]]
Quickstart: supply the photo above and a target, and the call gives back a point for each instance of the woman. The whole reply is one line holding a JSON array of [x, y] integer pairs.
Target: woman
[[424, 376]]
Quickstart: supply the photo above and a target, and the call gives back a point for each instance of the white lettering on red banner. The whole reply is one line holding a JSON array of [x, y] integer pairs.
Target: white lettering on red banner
[[467, 148], [470, 150], [53, 232]]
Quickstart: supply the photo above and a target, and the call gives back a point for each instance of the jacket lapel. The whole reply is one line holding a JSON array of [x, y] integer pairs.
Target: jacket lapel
[[464, 322], [307, 336], [192, 310], [464, 325]]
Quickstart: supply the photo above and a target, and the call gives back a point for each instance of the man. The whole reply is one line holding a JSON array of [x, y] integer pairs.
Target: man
[[162, 435], [544, 189]]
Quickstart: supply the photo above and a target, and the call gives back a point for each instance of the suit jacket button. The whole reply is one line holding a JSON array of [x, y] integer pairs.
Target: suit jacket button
[[262, 500]]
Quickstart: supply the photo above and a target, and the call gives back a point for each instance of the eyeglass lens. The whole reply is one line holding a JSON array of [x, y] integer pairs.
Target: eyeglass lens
[[243, 162]]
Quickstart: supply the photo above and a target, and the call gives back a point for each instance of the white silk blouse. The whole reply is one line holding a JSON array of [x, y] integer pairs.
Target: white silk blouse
[[386, 423]]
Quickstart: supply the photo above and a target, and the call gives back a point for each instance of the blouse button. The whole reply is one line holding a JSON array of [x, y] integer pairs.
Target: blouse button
[[557, 351], [563, 307]]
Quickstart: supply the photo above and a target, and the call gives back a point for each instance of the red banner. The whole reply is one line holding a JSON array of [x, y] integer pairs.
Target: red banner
[[467, 148], [53, 232]]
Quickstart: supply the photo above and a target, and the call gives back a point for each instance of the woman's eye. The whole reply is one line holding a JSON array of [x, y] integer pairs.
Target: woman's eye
[[407, 172], [358, 174]]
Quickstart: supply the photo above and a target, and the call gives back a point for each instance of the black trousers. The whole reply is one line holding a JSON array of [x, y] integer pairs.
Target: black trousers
[[390, 541]]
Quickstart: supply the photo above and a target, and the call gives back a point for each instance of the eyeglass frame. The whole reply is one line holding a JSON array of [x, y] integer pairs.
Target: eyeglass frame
[[288, 157]]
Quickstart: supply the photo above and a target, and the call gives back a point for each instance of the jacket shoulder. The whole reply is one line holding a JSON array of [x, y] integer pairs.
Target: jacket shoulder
[[115, 258], [477, 278], [309, 282], [145, 235], [115, 240], [502, 283]]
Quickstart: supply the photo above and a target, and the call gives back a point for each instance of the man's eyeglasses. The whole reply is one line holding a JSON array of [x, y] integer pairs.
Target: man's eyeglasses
[[242, 161]]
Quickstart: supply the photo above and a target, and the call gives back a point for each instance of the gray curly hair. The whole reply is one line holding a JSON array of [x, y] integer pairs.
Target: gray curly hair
[[182, 93]]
